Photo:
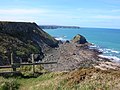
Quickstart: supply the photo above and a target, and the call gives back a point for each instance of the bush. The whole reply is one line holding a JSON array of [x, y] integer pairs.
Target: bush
[[26, 68], [10, 84]]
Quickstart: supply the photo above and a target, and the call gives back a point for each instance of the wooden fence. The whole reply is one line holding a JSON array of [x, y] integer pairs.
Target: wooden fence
[[14, 66]]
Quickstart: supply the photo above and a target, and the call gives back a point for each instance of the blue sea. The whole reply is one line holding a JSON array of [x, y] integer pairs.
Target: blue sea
[[106, 40]]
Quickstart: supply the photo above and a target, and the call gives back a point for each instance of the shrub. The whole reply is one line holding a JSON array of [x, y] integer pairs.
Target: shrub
[[10, 84]]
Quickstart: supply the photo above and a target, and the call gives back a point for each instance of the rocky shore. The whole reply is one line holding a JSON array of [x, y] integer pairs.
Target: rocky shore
[[76, 54]]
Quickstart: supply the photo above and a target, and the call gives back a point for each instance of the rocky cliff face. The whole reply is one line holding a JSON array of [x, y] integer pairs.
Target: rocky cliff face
[[23, 38]]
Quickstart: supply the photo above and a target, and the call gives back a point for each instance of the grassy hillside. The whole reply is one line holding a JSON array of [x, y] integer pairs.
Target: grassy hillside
[[82, 79], [22, 39]]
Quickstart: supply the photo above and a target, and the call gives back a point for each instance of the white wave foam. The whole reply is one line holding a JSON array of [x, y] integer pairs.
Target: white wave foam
[[114, 51], [112, 58], [93, 46], [111, 54], [104, 50], [60, 38]]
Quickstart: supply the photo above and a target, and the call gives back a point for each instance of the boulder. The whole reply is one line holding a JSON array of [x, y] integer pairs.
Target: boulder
[[60, 42], [79, 39], [67, 41]]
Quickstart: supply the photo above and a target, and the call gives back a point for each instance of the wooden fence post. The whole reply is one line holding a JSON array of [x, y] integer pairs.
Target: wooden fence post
[[11, 58], [20, 60], [12, 63], [33, 66]]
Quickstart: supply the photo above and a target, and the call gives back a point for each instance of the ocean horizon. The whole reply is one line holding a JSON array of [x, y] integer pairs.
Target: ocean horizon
[[105, 39]]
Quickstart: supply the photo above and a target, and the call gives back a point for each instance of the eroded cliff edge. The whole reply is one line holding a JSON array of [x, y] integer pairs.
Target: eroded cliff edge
[[23, 38]]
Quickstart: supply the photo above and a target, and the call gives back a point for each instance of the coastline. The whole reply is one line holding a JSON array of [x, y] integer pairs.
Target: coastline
[[109, 46], [105, 53], [76, 64], [71, 56], [103, 50]]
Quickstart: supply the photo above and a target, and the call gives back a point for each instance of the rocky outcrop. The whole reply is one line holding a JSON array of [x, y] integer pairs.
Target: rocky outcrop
[[79, 39], [23, 38], [70, 56], [77, 54]]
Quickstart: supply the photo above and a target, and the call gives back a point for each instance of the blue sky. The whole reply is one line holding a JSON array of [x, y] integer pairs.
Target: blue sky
[[84, 13]]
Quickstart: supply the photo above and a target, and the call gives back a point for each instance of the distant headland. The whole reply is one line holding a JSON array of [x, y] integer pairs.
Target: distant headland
[[57, 26]]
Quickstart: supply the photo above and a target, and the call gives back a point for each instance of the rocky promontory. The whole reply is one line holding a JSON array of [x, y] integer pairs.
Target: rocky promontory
[[75, 54]]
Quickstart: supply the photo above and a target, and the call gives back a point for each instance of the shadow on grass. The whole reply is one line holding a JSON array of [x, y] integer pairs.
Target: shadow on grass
[[21, 75]]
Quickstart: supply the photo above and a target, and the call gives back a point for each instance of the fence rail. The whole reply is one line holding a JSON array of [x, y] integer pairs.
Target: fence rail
[[10, 66], [17, 65], [38, 63]]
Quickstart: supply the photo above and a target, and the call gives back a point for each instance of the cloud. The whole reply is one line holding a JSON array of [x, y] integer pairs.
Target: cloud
[[76, 16], [106, 17], [18, 18], [98, 11], [21, 11], [28, 15], [116, 10]]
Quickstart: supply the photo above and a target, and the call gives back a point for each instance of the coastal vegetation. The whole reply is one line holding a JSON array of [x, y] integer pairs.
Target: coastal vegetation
[[23, 39], [81, 79]]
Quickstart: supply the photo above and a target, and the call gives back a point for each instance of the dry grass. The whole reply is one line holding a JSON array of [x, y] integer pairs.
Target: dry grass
[[94, 79], [82, 79]]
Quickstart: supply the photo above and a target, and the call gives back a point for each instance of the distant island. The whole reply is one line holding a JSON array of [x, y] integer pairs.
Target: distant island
[[56, 26]]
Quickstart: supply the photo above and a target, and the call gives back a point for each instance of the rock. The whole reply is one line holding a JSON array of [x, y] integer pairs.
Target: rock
[[38, 57], [79, 39], [60, 42], [67, 41], [69, 57]]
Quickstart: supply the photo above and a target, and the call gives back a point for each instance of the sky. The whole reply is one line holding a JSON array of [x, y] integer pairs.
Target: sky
[[83, 13]]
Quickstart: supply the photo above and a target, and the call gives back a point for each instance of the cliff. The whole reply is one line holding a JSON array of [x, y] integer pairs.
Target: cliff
[[23, 38]]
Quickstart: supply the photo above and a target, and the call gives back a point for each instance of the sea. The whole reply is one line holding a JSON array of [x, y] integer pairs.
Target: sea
[[106, 40]]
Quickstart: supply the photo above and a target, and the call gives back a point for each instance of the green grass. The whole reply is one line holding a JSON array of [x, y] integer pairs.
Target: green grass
[[43, 82], [9, 84], [82, 79]]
